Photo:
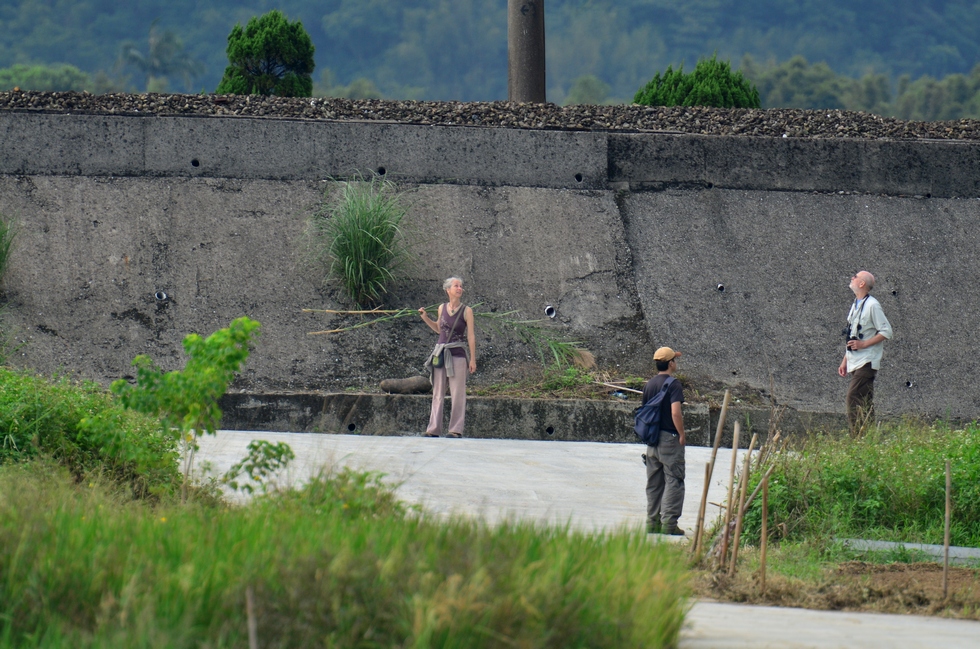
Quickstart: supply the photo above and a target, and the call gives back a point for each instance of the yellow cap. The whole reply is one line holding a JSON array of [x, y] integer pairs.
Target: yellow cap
[[665, 354]]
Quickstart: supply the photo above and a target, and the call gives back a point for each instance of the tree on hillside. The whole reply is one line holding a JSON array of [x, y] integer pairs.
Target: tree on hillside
[[711, 84], [270, 56], [165, 57], [797, 83], [588, 89], [51, 78]]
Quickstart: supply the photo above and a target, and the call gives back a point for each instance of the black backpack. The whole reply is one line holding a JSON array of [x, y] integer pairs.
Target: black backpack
[[647, 417]]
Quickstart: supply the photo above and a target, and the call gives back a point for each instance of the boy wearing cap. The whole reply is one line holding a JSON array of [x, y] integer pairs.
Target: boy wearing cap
[[665, 461]]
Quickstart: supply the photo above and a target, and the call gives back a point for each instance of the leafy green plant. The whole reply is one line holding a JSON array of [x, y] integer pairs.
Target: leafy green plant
[[711, 84], [270, 56], [81, 427], [263, 461], [186, 401], [358, 236]]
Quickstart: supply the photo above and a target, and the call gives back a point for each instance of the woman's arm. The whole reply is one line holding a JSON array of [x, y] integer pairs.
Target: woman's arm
[[470, 337], [433, 324]]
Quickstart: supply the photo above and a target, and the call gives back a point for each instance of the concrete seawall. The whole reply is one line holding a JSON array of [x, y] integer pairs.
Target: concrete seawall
[[736, 250]]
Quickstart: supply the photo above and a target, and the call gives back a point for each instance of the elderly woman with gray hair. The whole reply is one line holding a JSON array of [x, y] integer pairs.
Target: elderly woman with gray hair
[[452, 359]]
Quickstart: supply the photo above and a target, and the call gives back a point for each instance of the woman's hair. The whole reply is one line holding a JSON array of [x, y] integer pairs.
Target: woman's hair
[[449, 282]]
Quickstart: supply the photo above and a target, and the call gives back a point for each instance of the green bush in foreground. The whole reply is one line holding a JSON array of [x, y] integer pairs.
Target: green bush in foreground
[[186, 401], [711, 84], [340, 563], [82, 427], [887, 485]]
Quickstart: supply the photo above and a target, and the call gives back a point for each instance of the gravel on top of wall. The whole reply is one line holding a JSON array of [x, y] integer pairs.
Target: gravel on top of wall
[[773, 122]]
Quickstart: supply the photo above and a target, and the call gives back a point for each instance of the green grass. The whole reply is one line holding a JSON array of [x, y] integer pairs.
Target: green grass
[[886, 485], [340, 563], [358, 236]]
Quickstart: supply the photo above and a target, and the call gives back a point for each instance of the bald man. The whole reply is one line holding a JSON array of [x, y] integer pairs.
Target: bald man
[[867, 330]]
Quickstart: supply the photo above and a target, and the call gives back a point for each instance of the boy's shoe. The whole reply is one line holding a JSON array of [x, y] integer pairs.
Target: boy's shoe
[[674, 531], [654, 528]]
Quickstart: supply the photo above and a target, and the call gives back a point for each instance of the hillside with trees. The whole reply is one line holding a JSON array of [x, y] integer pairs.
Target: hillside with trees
[[893, 56]]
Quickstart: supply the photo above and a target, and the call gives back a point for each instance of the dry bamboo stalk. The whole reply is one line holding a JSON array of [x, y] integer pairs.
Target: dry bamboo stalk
[[365, 312], [765, 534], [743, 488], [702, 511], [731, 494], [698, 532], [949, 504], [619, 387], [755, 492]]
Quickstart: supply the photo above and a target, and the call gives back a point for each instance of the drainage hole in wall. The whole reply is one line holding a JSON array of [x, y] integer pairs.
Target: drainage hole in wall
[[550, 311], [195, 162], [734, 372], [382, 171], [894, 292], [160, 296], [910, 384], [550, 430], [721, 288], [351, 428], [578, 178]]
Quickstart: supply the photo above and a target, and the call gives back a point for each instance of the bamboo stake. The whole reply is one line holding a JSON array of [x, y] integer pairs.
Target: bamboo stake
[[765, 476], [949, 504], [765, 534], [709, 470], [253, 631], [743, 488], [731, 494], [698, 532]]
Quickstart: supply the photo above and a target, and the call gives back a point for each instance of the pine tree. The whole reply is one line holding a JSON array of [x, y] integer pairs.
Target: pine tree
[[711, 84], [270, 56]]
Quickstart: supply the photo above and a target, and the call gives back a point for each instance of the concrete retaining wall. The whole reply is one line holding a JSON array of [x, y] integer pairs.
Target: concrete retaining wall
[[736, 250], [495, 418]]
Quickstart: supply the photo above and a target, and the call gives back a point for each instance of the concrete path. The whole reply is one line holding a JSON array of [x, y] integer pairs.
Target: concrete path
[[591, 486]]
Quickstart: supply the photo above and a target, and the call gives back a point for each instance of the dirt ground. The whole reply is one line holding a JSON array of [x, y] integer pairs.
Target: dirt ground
[[913, 588]]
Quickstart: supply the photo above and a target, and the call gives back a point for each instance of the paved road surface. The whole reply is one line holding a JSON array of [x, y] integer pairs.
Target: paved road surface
[[591, 486]]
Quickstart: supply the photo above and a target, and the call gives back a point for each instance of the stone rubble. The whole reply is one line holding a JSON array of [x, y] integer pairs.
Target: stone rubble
[[773, 122]]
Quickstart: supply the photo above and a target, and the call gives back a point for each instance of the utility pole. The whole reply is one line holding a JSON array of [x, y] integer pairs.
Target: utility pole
[[525, 51]]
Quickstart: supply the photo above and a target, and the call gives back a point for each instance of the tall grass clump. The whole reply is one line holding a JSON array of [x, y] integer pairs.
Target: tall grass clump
[[886, 485], [83, 428], [8, 232], [357, 235], [339, 562]]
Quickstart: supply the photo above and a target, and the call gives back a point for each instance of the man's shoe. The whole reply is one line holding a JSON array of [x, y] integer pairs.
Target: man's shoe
[[674, 531], [654, 528]]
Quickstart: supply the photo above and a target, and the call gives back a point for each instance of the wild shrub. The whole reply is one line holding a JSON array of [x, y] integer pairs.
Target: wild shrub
[[887, 485], [711, 84], [186, 401], [84, 429], [357, 235]]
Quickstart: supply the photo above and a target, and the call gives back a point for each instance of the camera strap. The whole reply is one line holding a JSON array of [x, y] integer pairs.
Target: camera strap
[[856, 311]]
